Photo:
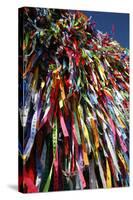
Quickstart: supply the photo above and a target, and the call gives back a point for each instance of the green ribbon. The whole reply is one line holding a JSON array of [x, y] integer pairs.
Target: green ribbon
[[54, 139], [77, 128]]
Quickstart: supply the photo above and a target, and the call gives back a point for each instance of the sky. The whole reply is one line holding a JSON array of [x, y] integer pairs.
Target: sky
[[106, 20]]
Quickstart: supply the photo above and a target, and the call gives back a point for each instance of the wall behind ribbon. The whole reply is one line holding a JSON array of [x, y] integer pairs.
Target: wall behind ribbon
[[73, 103]]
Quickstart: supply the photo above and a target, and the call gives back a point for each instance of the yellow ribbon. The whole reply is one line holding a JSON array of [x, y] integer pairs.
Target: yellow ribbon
[[108, 175], [95, 132]]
